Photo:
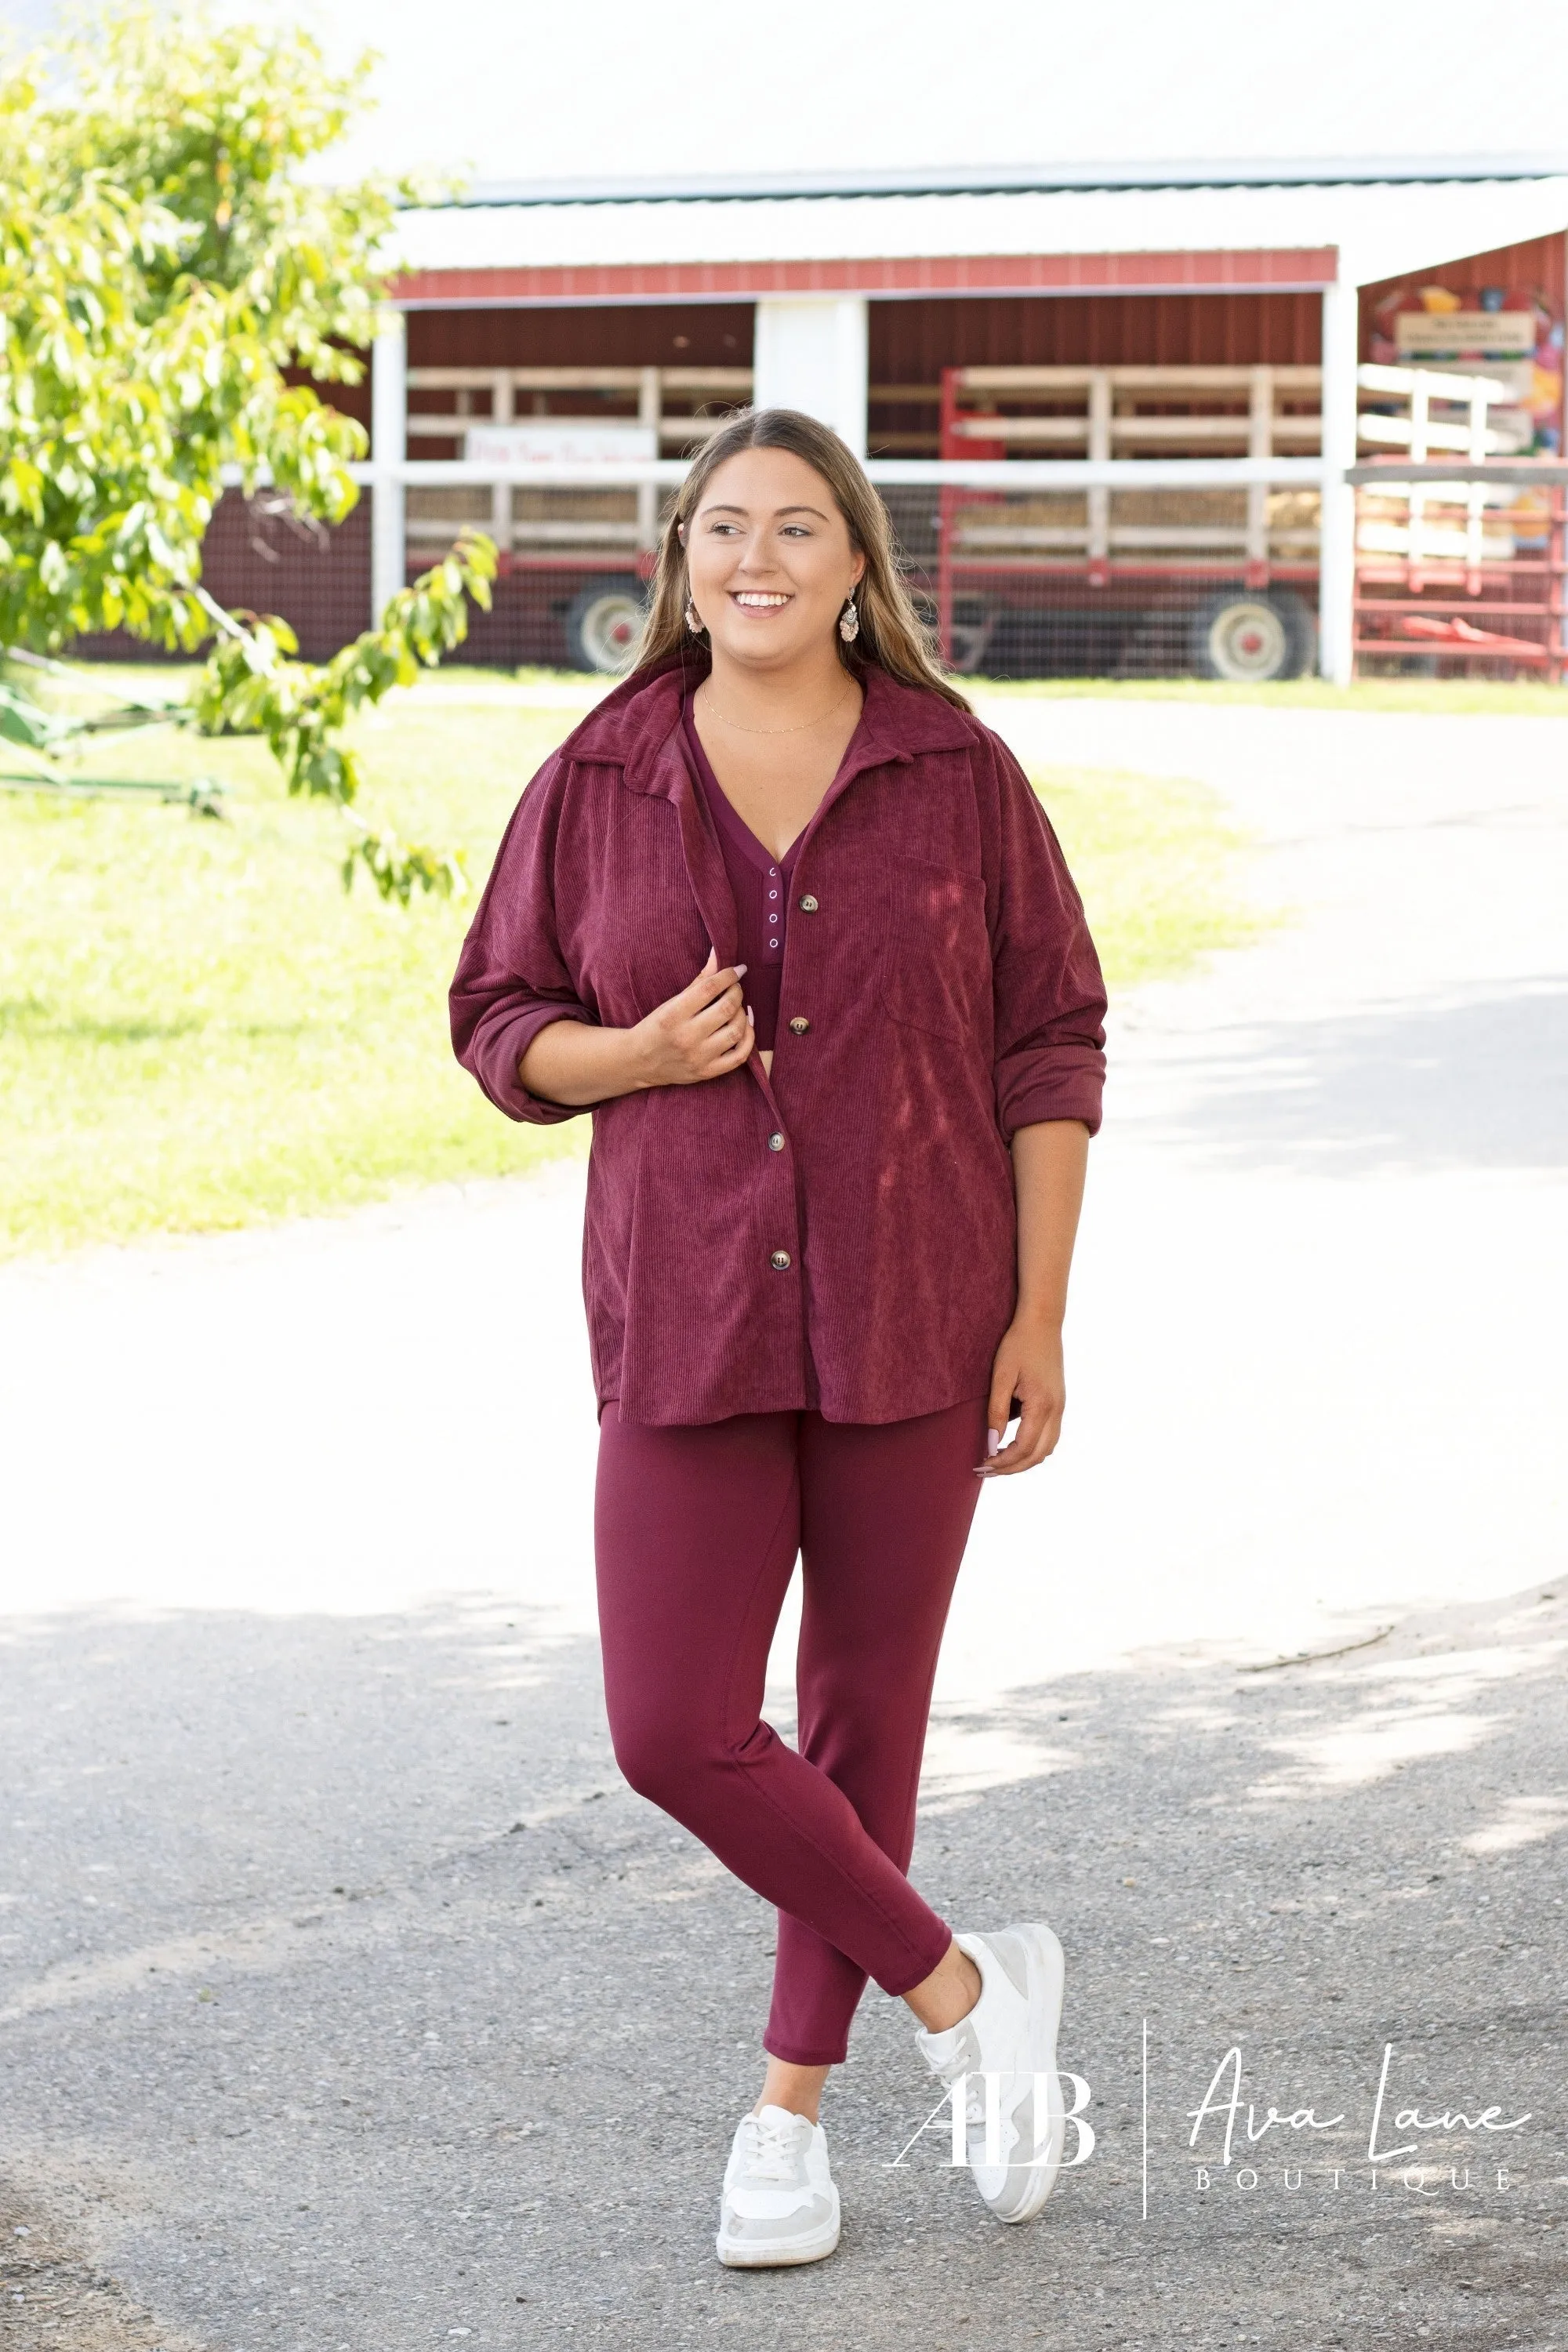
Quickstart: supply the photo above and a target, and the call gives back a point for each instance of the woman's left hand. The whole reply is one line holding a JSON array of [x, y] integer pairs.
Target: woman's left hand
[[1028, 1366]]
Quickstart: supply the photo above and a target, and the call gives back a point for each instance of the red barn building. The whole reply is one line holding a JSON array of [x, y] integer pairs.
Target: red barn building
[[1115, 422]]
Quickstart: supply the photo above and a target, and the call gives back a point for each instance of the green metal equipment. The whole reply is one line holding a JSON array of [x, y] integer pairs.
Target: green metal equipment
[[58, 738]]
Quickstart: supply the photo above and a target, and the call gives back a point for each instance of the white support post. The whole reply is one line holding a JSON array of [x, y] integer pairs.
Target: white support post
[[388, 448], [1336, 553], [650, 416], [812, 354], [1260, 443], [500, 492], [1415, 505], [1476, 496], [1099, 414]]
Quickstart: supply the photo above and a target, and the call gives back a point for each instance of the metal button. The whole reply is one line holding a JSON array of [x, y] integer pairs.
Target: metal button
[[808, 904], [800, 1024], [775, 1143], [780, 1261]]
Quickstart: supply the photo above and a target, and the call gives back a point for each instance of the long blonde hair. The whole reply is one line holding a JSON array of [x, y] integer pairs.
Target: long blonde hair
[[892, 636]]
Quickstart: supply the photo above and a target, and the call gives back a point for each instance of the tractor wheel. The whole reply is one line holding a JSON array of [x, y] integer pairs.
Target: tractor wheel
[[1249, 637], [604, 625]]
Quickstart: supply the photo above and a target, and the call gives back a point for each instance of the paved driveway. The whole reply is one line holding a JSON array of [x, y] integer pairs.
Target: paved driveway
[[308, 2044]]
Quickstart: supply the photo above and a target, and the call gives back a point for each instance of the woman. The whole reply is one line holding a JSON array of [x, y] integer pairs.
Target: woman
[[790, 921]]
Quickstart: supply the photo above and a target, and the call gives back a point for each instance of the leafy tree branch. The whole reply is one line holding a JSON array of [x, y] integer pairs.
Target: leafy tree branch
[[168, 271], [247, 685]]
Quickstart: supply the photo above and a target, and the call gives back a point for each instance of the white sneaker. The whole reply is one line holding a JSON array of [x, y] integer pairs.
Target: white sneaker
[[1006, 2046], [779, 2203]]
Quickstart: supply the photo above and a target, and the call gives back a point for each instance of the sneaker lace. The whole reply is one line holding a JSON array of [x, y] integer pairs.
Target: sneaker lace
[[962, 2059], [770, 2149]]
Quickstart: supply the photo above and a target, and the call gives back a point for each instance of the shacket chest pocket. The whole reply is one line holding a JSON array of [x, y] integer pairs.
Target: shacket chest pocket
[[936, 956]]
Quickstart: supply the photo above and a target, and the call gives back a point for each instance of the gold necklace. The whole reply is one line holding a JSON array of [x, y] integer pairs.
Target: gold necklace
[[802, 728]]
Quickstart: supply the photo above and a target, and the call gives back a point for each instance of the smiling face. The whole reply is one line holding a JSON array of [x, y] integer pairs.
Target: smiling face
[[770, 560]]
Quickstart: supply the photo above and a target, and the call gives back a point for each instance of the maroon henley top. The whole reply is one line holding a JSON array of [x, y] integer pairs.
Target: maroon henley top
[[759, 883]]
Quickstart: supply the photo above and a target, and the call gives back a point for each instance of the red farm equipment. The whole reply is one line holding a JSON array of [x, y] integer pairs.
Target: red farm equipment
[[1218, 578], [574, 560]]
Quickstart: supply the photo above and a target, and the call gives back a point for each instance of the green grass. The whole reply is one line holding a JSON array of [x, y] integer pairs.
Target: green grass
[[1457, 698], [1159, 866], [199, 1031], [1452, 698]]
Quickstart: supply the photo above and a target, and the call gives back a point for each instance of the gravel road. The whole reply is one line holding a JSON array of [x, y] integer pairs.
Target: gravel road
[[348, 2003]]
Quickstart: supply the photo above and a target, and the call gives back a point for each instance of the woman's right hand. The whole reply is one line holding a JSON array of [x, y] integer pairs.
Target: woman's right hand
[[704, 1033]]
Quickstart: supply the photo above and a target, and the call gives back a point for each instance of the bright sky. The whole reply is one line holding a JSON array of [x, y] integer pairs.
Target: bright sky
[[521, 91], [517, 90]]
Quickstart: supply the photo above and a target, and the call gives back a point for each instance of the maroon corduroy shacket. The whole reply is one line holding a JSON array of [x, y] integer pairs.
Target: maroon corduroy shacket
[[843, 1236]]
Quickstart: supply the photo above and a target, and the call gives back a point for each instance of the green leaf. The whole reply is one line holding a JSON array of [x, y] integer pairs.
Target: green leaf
[[21, 721], [170, 252]]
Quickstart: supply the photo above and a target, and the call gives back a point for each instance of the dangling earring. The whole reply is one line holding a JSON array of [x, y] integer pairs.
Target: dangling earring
[[849, 623], [692, 622]]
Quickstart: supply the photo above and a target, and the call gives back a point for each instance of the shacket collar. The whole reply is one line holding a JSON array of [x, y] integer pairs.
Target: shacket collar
[[637, 726]]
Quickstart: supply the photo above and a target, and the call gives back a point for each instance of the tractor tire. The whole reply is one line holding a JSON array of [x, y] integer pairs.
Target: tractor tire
[[605, 623], [1250, 637]]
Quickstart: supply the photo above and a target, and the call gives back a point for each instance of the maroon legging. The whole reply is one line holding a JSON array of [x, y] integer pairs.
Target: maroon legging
[[697, 1532]]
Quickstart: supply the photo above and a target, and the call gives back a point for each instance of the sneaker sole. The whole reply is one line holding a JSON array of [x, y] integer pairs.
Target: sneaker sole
[[1047, 1976], [753, 2256]]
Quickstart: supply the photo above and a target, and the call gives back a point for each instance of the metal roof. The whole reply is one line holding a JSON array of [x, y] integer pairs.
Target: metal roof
[[1015, 179], [1380, 229]]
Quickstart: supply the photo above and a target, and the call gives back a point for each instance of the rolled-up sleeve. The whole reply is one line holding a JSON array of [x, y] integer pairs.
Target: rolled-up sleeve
[[1049, 992], [512, 979]]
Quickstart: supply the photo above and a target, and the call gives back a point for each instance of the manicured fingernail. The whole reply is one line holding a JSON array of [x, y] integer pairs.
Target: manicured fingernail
[[993, 1443], [739, 971], [751, 1016]]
